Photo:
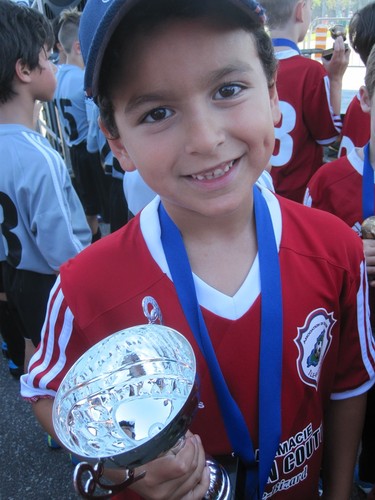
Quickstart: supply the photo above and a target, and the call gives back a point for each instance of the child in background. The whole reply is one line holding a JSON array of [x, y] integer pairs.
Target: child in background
[[187, 96], [90, 181], [42, 220], [356, 126], [58, 53], [97, 142], [310, 98], [345, 188]]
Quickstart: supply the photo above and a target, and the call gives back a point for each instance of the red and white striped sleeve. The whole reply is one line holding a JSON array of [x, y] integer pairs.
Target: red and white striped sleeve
[[55, 354]]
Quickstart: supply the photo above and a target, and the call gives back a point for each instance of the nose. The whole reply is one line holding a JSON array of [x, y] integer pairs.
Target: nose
[[203, 132]]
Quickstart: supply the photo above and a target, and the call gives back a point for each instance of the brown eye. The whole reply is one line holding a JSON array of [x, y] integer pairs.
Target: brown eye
[[157, 115], [227, 91]]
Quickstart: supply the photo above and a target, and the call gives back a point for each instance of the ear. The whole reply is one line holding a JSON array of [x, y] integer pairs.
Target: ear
[[365, 99], [77, 47], [274, 100], [22, 71], [118, 149], [298, 11]]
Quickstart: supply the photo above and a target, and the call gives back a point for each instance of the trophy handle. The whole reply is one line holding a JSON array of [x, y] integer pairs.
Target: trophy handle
[[86, 488]]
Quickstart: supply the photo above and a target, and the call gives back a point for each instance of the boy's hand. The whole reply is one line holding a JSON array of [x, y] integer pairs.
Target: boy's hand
[[369, 251], [337, 65], [183, 475]]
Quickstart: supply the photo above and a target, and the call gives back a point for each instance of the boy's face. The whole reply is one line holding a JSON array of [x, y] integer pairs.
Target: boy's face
[[195, 115], [44, 77]]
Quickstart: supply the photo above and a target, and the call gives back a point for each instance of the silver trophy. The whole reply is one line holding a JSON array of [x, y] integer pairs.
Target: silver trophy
[[127, 400]]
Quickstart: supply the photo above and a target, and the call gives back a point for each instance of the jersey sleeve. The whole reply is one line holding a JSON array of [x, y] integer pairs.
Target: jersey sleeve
[[56, 351], [58, 220], [324, 125], [313, 192], [356, 367], [92, 134]]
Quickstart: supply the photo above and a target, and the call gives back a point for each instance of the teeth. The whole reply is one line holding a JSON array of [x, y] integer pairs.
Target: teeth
[[218, 172]]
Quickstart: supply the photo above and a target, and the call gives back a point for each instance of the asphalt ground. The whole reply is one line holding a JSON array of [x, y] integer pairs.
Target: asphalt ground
[[29, 470]]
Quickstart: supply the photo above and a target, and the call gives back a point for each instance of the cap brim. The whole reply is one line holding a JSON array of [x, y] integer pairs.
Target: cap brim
[[99, 20]]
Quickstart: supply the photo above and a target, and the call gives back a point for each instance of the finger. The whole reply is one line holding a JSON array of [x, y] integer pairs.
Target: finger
[[201, 488], [173, 475], [196, 472], [339, 43]]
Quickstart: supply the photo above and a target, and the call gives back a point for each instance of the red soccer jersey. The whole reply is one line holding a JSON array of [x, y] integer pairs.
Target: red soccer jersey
[[337, 188], [306, 125], [327, 346], [355, 129]]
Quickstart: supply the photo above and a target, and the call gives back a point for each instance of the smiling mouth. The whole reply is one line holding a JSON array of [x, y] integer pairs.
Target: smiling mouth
[[215, 173]]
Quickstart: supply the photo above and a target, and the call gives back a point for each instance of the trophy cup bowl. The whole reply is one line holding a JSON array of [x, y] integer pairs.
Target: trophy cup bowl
[[125, 401], [336, 31]]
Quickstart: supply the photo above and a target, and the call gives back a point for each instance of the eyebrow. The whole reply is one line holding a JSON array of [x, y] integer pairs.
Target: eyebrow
[[240, 67], [213, 77]]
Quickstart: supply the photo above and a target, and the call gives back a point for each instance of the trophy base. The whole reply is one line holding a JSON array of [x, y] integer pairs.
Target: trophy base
[[220, 485]]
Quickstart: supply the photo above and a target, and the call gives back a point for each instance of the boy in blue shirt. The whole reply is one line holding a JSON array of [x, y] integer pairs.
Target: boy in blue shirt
[[42, 223]]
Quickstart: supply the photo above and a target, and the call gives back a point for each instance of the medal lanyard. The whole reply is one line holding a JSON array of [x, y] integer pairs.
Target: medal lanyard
[[367, 184], [270, 345], [285, 42]]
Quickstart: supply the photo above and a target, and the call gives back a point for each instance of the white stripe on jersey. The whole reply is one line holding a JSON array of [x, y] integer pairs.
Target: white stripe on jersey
[[47, 343], [37, 355], [335, 118], [63, 341], [48, 154], [363, 318], [366, 339]]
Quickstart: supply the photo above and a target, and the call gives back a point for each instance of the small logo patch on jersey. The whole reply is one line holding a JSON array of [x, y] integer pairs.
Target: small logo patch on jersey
[[313, 341]]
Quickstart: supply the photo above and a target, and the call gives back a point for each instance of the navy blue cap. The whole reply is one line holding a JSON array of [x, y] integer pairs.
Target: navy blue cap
[[100, 19]]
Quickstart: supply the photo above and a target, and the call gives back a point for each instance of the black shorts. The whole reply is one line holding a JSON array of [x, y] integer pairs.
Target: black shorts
[[90, 179], [28, 294]]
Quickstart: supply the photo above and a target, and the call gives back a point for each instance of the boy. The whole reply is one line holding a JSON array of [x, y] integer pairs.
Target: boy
[[310, 98], [187, 96], [356, 126], [340, 188], [42, 221], [91, 182], [97, 142]]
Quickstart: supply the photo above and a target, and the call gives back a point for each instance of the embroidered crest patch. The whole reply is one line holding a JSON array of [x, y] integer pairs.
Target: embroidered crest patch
[[313, 341]]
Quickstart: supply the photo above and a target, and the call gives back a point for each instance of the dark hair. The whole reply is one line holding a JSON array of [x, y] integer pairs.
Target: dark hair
[[150, 14], [56, 25], [23, 33], [370, 73], [362, 31]]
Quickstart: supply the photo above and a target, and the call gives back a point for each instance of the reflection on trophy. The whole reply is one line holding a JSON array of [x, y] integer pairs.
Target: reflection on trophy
[[128, 399], [336, 31]]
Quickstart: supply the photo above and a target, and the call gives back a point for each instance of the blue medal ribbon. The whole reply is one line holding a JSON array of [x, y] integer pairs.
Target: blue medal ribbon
[[368, 208], [285, 42], [270, 363]]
